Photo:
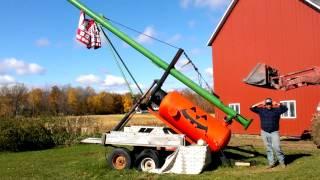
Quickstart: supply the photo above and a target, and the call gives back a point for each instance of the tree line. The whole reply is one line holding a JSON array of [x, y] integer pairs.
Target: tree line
[[18, 100]]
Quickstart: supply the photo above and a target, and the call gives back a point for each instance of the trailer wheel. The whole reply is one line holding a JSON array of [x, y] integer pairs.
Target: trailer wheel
[[120, 159], [147, 160]]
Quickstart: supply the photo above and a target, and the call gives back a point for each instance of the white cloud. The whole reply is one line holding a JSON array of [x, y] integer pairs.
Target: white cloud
[[185, 3], [6, 79], [134, 87], [20, 67], [88, 79], [42, 42], [175, 38], [117, 84], [150, 31], [113, 81], [35, 68], [209, 71], [212, 4]]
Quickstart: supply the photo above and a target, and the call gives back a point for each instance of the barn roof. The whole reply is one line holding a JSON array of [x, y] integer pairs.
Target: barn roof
[[312, 3], [222, 21]]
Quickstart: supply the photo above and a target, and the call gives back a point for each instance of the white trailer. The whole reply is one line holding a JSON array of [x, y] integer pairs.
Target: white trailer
[[155, 149]]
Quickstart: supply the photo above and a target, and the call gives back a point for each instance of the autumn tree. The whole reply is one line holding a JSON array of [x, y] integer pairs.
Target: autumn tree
[[198, 100], [117, 104], [73, 100], [127, 102], [66, 100], [15, 98], [5, 108], [106, 103], [35, 99], [56, 99], [84, 95]]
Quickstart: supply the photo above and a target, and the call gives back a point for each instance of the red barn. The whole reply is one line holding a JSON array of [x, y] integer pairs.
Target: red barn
[[284, 34]]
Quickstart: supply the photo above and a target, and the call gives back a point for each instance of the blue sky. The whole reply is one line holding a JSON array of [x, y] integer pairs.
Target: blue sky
[[39, 48]]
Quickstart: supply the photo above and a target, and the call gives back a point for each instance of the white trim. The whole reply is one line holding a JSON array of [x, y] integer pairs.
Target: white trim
[[228, 12], [235, 104], [289, 110], [221, 22], [313, 4]]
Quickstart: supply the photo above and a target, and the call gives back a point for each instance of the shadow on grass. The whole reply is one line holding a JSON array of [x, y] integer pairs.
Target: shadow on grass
[[227, 158], [305, 136], [246, 153], [290, 158]]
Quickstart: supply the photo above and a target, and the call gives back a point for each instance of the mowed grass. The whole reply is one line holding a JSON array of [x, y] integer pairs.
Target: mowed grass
[[88, 162]]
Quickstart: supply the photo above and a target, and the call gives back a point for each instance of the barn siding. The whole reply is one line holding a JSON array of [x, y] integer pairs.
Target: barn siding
[[282, 33]]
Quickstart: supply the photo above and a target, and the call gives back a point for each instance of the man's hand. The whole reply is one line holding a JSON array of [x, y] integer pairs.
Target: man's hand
[[275, 104], [261, 103]]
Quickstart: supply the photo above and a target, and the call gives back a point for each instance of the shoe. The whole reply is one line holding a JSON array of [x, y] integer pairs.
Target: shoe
[[271, 166], [283, 165]]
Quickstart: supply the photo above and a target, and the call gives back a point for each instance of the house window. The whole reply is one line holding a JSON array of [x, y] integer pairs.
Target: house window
[[314, 3], [235, 107], [292, 109]]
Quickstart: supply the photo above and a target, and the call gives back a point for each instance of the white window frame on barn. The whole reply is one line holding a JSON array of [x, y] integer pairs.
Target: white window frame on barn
[[288, 114], [313, 3], [234, 105]]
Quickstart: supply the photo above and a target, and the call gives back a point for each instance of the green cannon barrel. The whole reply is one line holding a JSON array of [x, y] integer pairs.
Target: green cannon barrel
[[162, 64]]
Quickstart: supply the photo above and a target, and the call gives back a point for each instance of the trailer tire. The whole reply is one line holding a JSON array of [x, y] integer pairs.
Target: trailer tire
[[147, 160], [120, 159]]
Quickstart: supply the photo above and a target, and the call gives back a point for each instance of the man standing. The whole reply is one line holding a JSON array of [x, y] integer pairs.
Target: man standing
[[269, 112]]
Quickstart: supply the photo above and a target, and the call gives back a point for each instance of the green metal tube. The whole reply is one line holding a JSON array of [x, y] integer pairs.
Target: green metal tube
[[162, 64]]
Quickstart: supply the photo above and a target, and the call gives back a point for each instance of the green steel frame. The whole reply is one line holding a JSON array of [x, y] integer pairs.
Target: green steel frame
[[162, 64]]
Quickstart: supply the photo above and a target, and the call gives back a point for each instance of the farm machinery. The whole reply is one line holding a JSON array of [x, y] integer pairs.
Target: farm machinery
[[265, 76], [187, 124]]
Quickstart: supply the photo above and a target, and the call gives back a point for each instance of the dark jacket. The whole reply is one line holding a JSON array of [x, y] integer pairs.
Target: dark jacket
[[269, 117]]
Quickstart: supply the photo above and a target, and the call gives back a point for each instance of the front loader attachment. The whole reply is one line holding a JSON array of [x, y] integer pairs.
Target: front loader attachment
[[267, 77], [262, 75]]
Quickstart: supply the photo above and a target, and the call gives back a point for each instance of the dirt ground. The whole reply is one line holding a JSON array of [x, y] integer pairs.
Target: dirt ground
[[286, 142]]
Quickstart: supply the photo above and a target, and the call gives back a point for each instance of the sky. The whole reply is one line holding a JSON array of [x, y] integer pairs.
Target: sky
[[39, 47]]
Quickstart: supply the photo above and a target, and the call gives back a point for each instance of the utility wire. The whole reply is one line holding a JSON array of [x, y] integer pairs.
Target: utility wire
[[121, 60], [200, 77], [139, 32]]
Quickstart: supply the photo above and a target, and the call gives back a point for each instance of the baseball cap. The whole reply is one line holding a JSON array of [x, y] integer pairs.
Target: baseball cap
[[268, 101]]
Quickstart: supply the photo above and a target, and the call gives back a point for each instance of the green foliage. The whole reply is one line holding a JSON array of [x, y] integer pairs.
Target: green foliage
[[23, 134]]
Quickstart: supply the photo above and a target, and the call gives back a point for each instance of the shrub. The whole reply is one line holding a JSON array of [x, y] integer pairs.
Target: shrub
[[22, 134]]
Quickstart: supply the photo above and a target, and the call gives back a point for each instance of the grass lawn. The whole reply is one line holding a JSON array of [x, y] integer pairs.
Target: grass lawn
[[88, 162]]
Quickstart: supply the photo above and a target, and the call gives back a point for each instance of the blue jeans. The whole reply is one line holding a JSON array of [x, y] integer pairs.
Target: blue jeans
[[272, 142]]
